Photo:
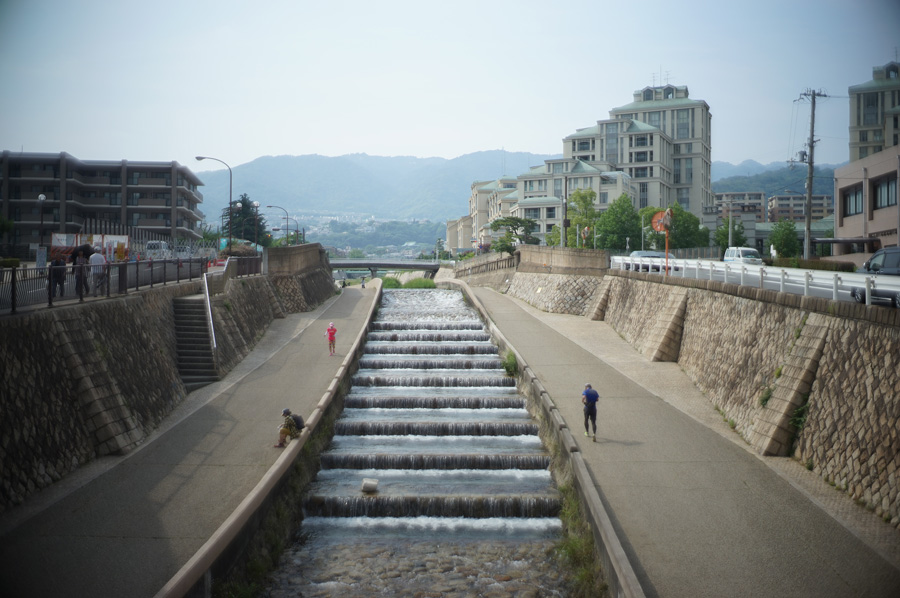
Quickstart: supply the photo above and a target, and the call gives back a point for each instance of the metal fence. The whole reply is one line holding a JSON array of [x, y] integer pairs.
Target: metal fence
[[22, 287]]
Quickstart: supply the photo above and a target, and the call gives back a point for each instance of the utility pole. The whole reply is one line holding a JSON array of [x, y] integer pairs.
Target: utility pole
[[807, 235]]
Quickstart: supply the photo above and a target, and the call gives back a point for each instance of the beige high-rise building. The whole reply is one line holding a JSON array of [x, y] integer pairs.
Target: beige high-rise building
[[875, 112]]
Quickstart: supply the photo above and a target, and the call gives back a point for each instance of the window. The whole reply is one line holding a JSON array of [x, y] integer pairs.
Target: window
[[885, 192], [551, 213], [643, 192], [688, 170], [640, 156], [604, 197], [683, 196], [863, 136], [870, 108], [557, 167], [533, 213], [653, 119], [852, 200], [586, 183], [648, 95], [677, 170], [529, 185], [640, 173], [585, 145], [669, 93], [557, 187], [542, 185], [640, 141], [683, 124]]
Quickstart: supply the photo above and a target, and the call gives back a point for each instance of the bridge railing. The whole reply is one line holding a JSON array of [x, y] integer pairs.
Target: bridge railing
[[839, 286]]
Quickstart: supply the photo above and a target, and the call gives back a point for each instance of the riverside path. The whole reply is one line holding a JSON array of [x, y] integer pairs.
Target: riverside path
[[698, 513], [123, 526]]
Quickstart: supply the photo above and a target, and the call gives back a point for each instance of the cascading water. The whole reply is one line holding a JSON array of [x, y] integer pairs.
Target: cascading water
[[465, 504]]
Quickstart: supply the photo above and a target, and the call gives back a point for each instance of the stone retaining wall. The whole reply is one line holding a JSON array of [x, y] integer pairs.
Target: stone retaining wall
[[811, 378], [81, 381]]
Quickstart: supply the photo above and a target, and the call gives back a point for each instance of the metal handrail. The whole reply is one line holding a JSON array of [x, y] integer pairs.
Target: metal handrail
[[209, 321]]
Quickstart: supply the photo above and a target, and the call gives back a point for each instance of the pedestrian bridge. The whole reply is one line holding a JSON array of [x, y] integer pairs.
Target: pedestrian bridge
[[373, 265]]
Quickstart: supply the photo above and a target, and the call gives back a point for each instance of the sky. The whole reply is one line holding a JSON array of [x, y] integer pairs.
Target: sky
[[236, 80]]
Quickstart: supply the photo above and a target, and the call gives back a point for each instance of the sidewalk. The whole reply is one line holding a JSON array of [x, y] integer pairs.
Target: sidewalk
[[123, 526], [699, 513]]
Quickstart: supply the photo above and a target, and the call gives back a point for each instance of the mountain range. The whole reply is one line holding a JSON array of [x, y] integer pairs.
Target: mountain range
[[410, 188]]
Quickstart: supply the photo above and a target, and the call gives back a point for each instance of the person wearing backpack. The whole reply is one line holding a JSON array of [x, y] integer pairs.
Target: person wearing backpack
[[289, 427]]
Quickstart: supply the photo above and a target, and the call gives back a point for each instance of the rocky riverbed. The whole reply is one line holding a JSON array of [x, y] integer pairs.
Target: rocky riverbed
[[419, 569]]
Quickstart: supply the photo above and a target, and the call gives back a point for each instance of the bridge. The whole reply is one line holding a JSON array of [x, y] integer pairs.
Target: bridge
[[373, 265]]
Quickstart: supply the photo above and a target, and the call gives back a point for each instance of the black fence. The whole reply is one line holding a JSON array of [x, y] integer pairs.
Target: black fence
[[51, 285]]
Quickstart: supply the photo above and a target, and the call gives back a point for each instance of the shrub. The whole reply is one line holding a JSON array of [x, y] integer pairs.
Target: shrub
[[389, 282], [510, 364], [420, 283]]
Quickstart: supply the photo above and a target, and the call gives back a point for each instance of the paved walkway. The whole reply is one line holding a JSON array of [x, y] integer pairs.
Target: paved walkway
[[699, 514], [124, 525]]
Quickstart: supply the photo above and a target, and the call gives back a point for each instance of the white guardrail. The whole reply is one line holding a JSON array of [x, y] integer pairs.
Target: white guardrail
[[838, 286]]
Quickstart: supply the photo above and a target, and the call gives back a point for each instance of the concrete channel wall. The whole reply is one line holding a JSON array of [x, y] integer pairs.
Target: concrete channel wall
[[81, 381], [804, 377]]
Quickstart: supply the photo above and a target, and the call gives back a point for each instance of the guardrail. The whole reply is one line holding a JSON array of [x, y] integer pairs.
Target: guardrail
[[838, 286]]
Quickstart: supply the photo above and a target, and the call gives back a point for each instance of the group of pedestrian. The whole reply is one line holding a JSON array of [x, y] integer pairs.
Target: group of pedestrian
[[90, 273]]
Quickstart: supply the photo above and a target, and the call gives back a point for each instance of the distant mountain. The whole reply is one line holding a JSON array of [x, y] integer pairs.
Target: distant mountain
[[783, 180], [436, 189], [747, 168], [400, 187]]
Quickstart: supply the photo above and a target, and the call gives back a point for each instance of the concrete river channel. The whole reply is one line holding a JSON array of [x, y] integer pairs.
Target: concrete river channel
[[465, 504]]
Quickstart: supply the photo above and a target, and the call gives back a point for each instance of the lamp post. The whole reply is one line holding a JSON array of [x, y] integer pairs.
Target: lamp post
[[41, 199], [230, 187], [287, 225], [297, 225], [256, 224]]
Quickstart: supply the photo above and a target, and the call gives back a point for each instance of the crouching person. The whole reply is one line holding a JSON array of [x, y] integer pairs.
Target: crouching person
[[289, 428]]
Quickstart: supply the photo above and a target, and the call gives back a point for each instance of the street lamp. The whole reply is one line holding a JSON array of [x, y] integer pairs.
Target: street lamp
[[230, 186], [297, 225], [287, 225], [41, 199], [255, 205]]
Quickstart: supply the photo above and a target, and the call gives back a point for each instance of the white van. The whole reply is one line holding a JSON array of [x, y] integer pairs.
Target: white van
[[743, 255], [157, 250]]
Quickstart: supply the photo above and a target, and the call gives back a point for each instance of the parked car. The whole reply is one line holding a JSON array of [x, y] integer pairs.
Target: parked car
[[884, 262], [742, 255], [635, 261]]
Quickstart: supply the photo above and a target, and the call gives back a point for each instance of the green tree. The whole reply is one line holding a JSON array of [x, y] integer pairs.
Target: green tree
[[552, 237], [356, 253], [518, 228], [506, 243], [619, 227], [684, 232], [582, 215], [738, 238], [245, 222], [784, 238]]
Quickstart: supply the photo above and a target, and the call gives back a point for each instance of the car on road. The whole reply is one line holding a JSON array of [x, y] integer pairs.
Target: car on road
[[743, 255], [884, 262], [634, 261]]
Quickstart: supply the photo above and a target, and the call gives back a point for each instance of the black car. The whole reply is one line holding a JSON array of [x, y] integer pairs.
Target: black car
[[884, 262], [633, 262]]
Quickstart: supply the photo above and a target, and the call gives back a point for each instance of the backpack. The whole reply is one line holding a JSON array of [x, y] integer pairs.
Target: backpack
[[298, 420]]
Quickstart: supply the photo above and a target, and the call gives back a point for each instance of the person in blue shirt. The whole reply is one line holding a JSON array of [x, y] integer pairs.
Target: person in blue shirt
[[589, 398]]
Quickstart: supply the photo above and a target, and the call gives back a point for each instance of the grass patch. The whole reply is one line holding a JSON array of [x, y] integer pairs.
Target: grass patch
[[390, 282], [765, 396], [732, 424], [576, 548], [511, 364], [778, 372], [420, 283]]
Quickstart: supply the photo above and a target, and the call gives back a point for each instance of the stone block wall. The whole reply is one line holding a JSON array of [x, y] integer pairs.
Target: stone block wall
[[555, 293], [82, 381]]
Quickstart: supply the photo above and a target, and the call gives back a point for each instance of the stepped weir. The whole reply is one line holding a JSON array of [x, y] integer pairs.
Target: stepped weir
[[465, 504]]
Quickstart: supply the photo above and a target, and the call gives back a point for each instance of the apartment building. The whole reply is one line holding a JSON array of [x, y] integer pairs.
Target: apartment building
[[656, 150], [875, 112], [793, 207], [866, 210], [867, 213], [744, 202], [56, 193]]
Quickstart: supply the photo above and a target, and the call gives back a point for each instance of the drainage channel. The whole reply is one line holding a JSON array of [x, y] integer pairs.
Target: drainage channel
[[463, 502]]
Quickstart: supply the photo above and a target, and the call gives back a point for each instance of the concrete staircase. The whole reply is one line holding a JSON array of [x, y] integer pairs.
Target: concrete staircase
[[196, 362]]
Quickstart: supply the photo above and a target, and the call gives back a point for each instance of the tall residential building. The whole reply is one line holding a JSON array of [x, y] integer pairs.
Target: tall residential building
[[875, 112], [656, 150], [160, 197]]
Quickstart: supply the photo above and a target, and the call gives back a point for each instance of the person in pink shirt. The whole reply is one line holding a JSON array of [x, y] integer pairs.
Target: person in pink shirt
[[331, 333]]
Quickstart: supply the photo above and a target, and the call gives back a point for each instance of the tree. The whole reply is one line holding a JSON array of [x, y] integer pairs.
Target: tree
[[518, 228], [356, 253], [506, 243], [245, 222], [684, 232], [582, 214], [738, 238], [619, 227], [784, 238]]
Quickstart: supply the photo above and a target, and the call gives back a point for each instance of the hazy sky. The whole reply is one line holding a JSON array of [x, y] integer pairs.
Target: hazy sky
[[168, 80]]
